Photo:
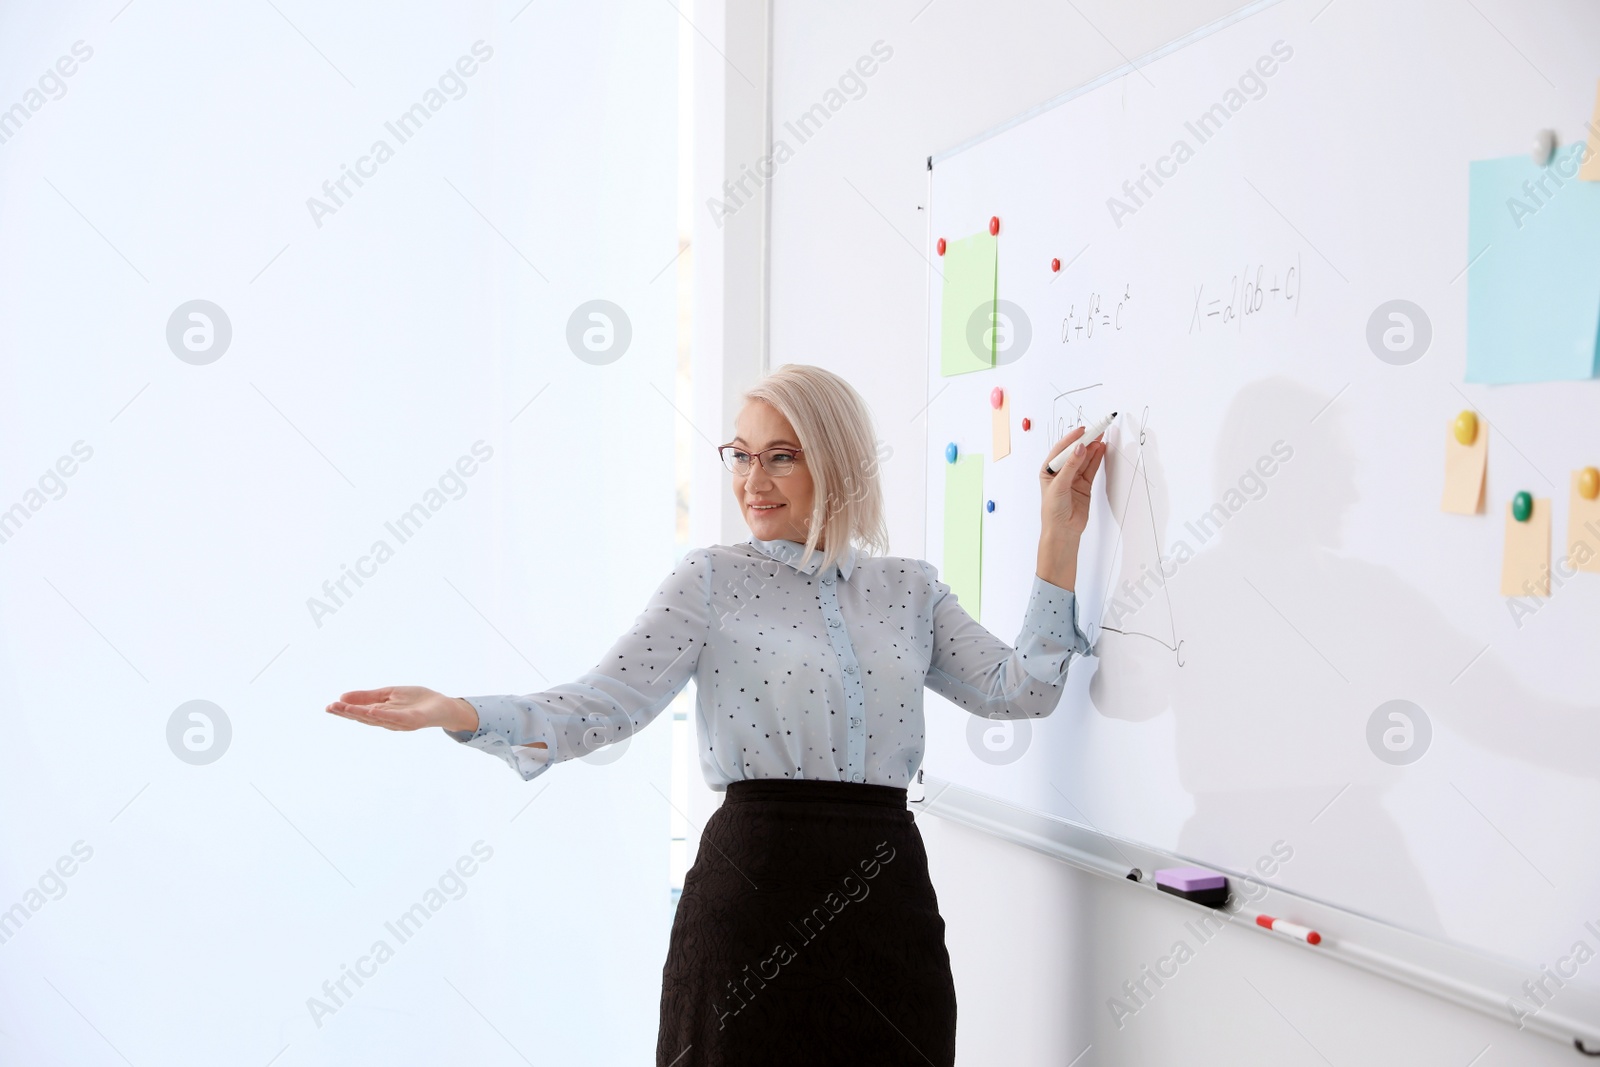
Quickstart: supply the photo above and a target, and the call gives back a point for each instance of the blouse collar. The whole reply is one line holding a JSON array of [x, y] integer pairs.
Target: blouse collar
[[790, 552]]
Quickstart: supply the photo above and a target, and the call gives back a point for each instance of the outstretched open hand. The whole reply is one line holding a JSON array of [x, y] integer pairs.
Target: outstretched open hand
[[404, 707]]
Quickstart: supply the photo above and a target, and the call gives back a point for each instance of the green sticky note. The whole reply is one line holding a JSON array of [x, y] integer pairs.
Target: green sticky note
[[963, 531], [1533, 286], [969, 268]]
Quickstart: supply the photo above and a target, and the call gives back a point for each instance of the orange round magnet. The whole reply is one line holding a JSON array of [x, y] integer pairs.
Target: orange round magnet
[[1589, 483]]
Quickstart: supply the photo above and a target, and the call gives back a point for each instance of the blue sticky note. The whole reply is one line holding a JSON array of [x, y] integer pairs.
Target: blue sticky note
[[1533, 286]]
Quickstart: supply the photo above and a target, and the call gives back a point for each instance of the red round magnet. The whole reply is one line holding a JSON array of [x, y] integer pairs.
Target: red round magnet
[[1055, 264], [994, 225], [997, 397], [1027, 424], [940, 246]]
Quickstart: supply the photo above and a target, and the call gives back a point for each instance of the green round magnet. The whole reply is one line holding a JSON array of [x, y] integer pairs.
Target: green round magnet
[[1521, 507]]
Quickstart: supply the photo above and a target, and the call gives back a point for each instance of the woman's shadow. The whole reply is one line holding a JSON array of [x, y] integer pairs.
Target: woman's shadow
[[1287, 649]]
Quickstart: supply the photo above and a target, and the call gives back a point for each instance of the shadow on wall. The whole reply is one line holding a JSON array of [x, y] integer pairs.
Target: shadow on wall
[[1288, 648]]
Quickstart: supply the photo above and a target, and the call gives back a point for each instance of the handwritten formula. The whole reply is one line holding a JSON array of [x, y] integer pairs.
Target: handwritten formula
[[1097, 313], [1256, 290]]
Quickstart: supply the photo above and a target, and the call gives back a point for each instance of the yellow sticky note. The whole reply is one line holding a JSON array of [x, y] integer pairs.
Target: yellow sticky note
[[1525, 570], [1463, 472], [1590, 171], [1001, 420], [1583, 529]]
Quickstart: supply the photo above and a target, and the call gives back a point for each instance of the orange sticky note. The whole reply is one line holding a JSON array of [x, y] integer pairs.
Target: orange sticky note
[[1583, 529], [1525, 570], [1001, 421], [1590, 171], [1463, 472]]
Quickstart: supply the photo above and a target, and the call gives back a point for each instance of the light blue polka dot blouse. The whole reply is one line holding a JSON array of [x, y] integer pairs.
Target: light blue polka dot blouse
[[798, 674]]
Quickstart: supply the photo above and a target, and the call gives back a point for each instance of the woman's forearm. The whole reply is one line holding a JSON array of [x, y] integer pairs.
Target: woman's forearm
[[1058, 559], [466, 719]]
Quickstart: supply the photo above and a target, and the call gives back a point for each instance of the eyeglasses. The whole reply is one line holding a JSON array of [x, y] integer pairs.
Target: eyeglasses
[[777, 462]]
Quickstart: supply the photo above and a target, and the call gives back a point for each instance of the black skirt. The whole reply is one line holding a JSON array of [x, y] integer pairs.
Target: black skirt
[[808, 933]]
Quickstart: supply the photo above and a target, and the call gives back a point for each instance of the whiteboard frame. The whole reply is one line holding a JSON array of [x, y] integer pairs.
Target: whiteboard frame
[[1455, 973]]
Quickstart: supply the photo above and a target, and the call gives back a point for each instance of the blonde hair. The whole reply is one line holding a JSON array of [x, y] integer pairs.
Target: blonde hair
[[835, 431]]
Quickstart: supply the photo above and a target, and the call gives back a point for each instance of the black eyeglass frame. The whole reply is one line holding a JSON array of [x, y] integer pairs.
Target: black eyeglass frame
[[722, 454]]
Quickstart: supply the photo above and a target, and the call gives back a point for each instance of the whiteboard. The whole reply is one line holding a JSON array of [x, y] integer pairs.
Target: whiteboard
[[1231, 720]]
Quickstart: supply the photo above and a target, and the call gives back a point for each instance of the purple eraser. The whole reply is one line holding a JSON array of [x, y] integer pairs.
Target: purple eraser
[[1190, 879]]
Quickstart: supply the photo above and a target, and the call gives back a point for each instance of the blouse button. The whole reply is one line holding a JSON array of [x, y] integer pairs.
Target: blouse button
[[833, 622], [855, 722], [856, 777], [849, 668]]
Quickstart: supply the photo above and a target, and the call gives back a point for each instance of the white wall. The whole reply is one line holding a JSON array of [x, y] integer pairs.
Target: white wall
[[729, 255], [210, 902], [1037, 947]]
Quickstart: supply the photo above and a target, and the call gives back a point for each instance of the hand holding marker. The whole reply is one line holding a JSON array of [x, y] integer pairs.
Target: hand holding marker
[[1095, 430]]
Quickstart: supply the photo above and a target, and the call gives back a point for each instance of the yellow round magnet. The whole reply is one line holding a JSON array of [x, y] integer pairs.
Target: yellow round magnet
[[1466, 427], [1589, 483]]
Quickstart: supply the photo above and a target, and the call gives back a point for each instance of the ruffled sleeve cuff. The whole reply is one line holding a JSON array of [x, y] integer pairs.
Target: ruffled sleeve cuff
[[503, 722], [1050, 634]]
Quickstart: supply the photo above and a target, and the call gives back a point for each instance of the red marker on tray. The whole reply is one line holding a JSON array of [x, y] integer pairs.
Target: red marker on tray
[[1294, 930]]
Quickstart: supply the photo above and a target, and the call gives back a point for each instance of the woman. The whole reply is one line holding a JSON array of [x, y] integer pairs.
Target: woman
[[808, 931]]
